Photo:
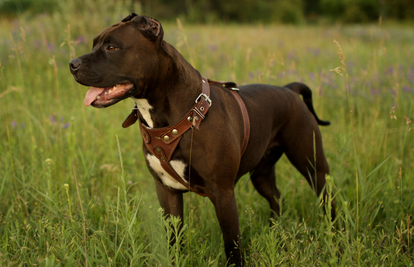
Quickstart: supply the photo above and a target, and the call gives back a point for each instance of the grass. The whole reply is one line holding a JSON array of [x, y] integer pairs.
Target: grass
[[75, 190]]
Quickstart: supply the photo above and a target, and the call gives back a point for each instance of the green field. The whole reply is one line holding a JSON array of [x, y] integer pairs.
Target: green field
[[75, 190]]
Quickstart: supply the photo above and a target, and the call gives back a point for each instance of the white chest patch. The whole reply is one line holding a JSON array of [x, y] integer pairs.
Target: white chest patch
[[167, 180], [144, 108]]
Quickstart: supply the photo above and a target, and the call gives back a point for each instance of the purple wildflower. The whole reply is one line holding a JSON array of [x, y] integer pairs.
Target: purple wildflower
[[52, 119], [375, 91], [312, 76], [81, 39], [407, 89], [212, 47], [50, 47]]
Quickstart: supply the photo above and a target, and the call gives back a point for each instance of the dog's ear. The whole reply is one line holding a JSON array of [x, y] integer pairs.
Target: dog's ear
[[129, 17], [149, 27]]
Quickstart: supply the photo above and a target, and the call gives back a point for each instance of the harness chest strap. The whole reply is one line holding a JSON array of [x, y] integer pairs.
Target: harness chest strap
[[162, 142]]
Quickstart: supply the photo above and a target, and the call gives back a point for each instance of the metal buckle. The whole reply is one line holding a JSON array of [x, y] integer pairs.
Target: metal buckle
[[205, 97]]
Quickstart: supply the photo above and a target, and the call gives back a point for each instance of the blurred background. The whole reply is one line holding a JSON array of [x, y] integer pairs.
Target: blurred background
[[58, 156], [247, 11]]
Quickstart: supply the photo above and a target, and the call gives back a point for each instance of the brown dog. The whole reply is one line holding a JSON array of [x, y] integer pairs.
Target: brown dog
[[181, 126]]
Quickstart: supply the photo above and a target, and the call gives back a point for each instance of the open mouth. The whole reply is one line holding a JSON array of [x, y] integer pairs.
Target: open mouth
[[103, 97]]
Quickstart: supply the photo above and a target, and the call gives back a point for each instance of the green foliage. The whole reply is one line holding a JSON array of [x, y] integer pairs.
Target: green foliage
[[247, 11], [48, 138], [351, 11], [399, 9], [8, 7], [288, 12]]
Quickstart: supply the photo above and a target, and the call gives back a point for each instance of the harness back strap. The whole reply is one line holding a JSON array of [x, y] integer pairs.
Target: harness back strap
[[246, 120]]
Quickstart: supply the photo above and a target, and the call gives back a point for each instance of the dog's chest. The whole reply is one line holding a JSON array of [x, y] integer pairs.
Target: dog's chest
[[153, 162], [144, 108], [178, 165]]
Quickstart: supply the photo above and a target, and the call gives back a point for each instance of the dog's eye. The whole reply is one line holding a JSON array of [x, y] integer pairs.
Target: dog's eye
[[111, 48]]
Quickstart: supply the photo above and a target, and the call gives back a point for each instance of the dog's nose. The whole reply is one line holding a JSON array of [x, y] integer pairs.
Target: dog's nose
[[74, 64]]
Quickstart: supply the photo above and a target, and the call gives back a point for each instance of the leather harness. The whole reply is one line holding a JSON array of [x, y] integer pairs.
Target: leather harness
[[162, 142]]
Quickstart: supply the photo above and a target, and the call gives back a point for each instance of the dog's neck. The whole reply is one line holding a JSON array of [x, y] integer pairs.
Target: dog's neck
[[171, 93]]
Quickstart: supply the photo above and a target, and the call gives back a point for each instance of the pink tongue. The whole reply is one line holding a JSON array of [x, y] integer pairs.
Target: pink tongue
[[92, 94]]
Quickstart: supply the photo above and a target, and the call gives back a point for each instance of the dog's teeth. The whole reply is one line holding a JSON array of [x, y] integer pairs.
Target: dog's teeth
[[114, 87], [106, 93], [98, 97], [110, 91]]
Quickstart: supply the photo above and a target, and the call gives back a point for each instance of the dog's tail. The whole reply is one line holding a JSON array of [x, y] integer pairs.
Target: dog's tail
[[305, 91]]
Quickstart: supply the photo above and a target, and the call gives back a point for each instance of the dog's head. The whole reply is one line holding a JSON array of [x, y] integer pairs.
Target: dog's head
[[123, 56]]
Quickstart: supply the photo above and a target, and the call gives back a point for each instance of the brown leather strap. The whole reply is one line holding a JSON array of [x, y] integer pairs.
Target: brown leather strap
[[132, 117], [228, 85], [162, 142], [246, 120]]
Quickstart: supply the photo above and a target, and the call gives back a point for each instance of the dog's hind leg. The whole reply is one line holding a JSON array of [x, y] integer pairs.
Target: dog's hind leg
[[264, 179], [305, 152]]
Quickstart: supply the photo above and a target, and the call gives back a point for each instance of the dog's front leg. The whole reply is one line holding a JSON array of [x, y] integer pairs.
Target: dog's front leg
[[226, 211], [172, 203]]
